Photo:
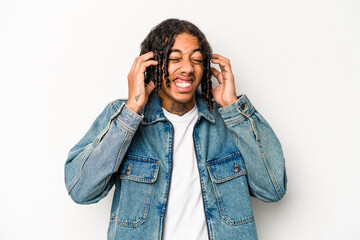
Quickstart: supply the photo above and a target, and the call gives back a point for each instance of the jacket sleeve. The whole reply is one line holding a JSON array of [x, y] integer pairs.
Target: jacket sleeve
[[260, 148], [92, 163]]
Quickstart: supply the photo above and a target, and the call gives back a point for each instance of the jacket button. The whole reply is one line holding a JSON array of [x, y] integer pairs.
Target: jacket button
[[128, 170], [236, 168], [242, 106]]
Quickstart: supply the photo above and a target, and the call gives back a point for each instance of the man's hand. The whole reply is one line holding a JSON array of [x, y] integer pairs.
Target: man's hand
[[224, 94], [138, 93]]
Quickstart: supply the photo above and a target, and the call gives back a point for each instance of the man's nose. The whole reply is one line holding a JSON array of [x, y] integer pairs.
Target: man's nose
[[187, 66]]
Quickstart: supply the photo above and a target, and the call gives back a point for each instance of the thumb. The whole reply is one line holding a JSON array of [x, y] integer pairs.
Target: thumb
[[149, 88]]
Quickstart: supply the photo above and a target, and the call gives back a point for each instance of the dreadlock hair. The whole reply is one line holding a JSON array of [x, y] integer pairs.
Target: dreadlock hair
[[160, 41]]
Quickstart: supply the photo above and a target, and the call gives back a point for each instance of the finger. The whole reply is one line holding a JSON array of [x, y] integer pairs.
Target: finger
[[216, 74], [144, 65], [223, 62], [149, 63], [149, 88], [146, 56], [224, 66], [143, 58], [222, 58]]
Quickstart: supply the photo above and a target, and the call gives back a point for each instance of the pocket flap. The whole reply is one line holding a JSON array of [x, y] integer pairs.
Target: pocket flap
[[139, 169], [226, 168]]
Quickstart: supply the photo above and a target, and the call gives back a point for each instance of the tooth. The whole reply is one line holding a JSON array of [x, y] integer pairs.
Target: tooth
[[182, 84]]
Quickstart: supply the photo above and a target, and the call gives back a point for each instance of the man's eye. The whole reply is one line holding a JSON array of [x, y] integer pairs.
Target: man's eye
[[197, 60]]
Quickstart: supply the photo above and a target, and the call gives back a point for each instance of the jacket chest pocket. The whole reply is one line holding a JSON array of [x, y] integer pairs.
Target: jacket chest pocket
[[137, 181], [228, 176]]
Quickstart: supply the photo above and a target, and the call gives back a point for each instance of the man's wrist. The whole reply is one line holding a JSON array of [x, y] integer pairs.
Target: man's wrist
[[230, 113], [230, 101], [133, 107]]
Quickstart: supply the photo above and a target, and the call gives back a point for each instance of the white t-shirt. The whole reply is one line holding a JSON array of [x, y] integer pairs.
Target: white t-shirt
[[185, 216]]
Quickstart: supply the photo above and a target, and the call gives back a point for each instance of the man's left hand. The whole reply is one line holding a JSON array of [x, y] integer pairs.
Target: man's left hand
[[224, 94]]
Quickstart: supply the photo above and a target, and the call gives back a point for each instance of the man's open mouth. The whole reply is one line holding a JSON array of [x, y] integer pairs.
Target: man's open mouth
[[183, 83]]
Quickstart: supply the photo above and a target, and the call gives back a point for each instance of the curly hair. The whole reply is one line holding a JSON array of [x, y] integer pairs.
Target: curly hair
[[160, 41]]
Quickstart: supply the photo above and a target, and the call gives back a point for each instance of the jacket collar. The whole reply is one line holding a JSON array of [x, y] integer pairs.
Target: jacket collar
[[153, 111]]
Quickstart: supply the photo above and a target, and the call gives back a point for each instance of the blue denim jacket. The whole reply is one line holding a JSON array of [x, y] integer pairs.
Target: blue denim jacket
[[238, 155]]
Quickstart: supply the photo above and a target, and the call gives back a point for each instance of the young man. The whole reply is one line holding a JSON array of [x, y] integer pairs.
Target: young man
[[184, 164]]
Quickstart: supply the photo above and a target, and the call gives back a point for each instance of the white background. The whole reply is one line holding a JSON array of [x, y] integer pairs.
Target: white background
[[61, 62]]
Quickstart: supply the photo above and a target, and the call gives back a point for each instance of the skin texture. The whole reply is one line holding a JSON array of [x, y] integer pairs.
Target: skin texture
[[161, 39], [224, 94], [185, 63], [138, 93]]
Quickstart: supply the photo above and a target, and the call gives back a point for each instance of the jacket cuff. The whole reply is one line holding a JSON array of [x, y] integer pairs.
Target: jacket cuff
[[128, 118], [238, 111]]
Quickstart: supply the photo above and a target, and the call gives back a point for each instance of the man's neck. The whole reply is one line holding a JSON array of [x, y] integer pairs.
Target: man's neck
[[177, 108]]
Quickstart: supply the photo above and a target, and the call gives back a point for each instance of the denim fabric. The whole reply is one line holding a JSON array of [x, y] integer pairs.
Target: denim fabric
[[238, 155]]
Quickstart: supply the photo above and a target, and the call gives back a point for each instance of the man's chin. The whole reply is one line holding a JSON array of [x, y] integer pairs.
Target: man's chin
[[183, 99]]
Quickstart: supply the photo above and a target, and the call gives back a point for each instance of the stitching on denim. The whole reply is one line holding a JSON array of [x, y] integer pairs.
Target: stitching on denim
[[222, 212], [224, 179], [98, 139], [227, 178], [262, 153], [117, 160], [144, 159], [238, 222], [226, 157], [153, 121], [142, 219], [272, 176], [131, 224], [140, 179], [112, 104], [118, 112], [76, 179], [120, 100], [208, 118], [145, 180], [239, 119], [235, 120], [204, 195], [107, 180], [125, 127]]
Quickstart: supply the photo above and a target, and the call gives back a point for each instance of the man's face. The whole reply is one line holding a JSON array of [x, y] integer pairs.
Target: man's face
[[185, 69]]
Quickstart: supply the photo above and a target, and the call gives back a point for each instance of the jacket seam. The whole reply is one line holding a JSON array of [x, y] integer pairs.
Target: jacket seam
[[143, 218], [76, 179], [94, 145], [223, 158], [116, 163], [227, 178], [144, 180], [221, 209], [262, 153], [240, 118]]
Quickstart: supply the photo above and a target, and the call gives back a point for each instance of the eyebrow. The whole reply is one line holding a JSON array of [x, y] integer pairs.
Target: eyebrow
[[177, 50]]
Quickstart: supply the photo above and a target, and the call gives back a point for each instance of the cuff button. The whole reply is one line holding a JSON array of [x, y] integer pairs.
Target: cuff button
[[242, 106]]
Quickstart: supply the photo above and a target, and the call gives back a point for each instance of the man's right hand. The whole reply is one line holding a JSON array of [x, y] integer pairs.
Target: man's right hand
[[138, 93]]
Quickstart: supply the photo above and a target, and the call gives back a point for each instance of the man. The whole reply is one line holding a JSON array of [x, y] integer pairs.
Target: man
[[184, 165]]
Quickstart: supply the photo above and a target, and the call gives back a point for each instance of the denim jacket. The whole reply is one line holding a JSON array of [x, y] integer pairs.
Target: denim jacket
[[238, 156]]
